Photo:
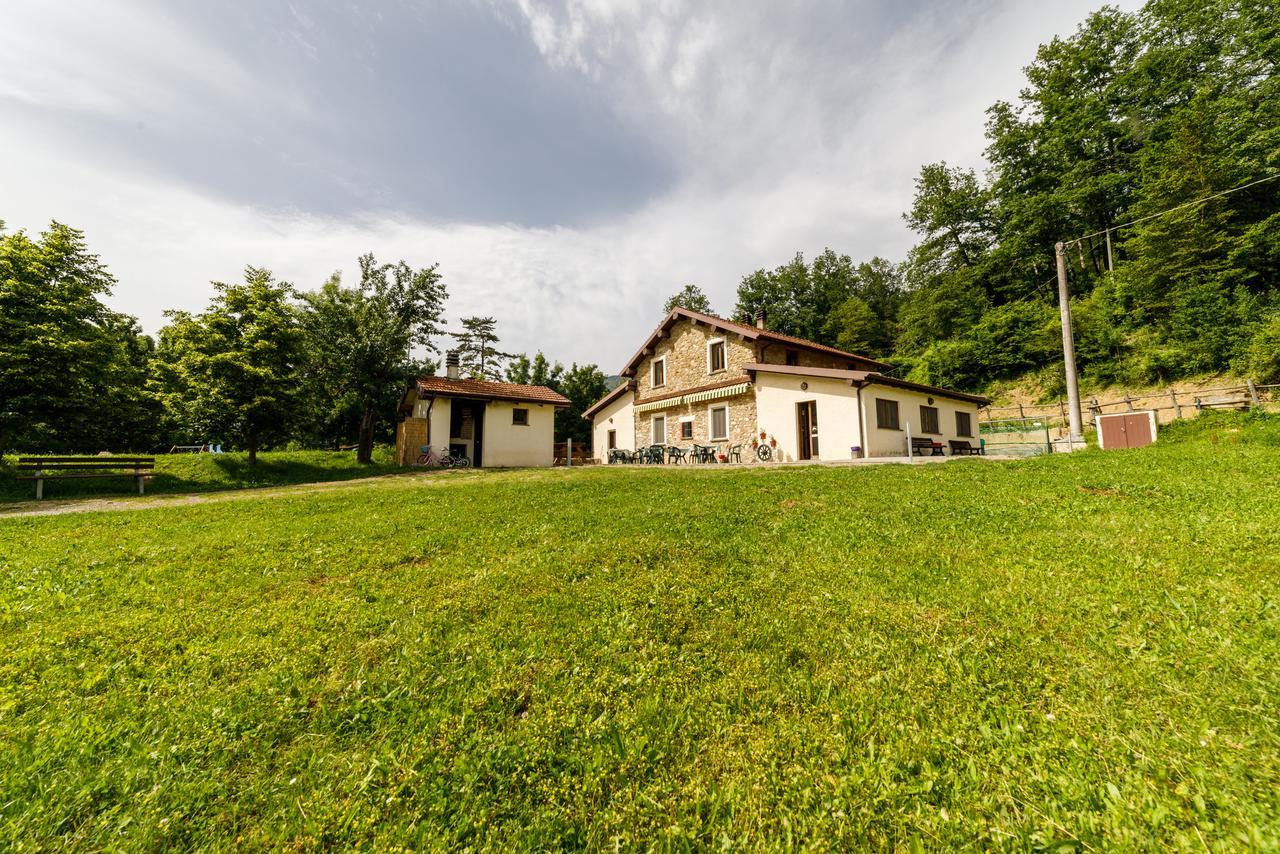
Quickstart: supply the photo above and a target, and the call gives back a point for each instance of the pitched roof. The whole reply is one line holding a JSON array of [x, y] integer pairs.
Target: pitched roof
[[614, 393], [486, 390], [747, 331]]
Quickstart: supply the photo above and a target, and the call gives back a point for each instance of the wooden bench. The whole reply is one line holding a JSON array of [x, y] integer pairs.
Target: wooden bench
[[41, 469], [1224, 402], [919, 444], [961, 448]]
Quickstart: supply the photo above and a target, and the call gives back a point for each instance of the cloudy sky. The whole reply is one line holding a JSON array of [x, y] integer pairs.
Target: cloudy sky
[[569, 163]]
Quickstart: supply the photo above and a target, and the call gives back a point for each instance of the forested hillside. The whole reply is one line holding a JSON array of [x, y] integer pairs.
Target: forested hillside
[[1133, 115]]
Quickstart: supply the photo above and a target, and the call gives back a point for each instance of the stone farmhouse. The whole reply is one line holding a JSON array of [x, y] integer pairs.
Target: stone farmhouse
[[702, 379]]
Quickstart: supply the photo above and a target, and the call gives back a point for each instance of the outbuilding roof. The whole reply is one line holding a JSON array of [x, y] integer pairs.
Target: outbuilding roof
[[487, 390], [614, 393]]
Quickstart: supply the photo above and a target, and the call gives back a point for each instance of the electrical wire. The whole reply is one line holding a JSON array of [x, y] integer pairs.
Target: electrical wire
[[1078, 240]]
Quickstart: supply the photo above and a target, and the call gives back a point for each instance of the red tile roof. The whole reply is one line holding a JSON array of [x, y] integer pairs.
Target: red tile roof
[[747, 331], [486, 390]]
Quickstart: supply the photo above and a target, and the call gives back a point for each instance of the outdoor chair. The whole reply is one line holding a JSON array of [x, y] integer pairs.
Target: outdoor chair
[[704, 454], [657, 454], [675, 454], [734, 454]]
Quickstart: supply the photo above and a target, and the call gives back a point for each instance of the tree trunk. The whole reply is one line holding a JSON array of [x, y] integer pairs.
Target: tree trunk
[[364, 454], [253, 448]]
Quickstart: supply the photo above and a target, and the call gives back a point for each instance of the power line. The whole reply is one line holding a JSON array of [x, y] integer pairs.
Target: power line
[[1104, 231]]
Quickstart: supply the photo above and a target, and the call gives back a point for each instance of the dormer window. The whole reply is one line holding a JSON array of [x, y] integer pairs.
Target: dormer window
[[660, 372], [715, 356]]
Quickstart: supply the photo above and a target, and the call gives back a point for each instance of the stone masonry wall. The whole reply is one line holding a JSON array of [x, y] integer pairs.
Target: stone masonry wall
[[742, 423], [685, 350]]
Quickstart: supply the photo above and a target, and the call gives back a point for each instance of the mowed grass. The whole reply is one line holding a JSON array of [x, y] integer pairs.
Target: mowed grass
[[1077, 651], [177, 473]]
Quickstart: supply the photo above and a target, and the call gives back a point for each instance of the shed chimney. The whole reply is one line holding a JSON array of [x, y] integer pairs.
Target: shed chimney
[[760, 319], [451, 369]]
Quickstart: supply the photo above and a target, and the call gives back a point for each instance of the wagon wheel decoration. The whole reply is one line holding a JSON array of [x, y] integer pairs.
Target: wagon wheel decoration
[[764, 453]]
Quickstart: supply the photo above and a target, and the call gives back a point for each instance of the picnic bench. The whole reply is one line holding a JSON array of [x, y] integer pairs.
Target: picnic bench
[[920, 444], [961, 448], [1228, 401], [41, 469]]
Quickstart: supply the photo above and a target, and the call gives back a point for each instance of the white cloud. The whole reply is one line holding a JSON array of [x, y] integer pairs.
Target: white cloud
[[793, 131]]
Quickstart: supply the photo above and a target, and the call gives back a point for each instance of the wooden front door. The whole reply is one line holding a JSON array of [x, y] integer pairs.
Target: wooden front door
[[807, 435]]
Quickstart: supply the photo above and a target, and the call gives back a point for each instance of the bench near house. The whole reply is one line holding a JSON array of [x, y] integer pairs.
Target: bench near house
[[490, 423], [707, 380]]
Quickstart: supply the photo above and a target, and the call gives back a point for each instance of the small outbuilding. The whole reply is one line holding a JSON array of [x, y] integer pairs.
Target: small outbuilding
[[493, 424]]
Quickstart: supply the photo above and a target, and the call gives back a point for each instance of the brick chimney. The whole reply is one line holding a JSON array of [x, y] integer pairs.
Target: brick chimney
[[451, 369], [760, 319]]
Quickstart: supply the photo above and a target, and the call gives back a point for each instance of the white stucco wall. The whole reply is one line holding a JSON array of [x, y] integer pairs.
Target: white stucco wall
[[438, 429], [882, 442], [619, 415], [515, 445], [838, 430]]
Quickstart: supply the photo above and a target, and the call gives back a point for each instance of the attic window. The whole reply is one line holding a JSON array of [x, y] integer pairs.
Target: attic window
[[793, 358], [520, 417], [715, 356], [660, 372]]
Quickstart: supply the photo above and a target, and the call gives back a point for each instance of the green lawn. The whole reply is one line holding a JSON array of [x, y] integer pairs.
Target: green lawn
[[1011, 655], [207, 473]]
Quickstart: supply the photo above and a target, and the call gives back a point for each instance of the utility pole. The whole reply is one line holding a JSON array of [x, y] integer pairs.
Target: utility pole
[[1068, 349]]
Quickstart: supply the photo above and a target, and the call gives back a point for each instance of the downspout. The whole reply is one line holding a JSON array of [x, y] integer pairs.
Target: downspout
[[862, 423]]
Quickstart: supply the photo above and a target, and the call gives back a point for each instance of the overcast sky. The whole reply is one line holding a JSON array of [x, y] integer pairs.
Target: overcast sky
[[569, 163]]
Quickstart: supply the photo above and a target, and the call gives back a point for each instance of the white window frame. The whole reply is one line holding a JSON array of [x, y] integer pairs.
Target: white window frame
[[653, 369], [686, 419], [711, 422], [653, 430], [724, 349]]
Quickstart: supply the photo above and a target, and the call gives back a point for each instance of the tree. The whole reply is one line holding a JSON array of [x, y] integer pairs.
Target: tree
[[58, 342], [538, 371], [583, 385], [360, 345], [477, 355], [690, 297], [233, 370]]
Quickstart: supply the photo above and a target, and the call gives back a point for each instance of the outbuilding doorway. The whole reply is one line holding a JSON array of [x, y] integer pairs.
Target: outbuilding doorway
[[466, 430]]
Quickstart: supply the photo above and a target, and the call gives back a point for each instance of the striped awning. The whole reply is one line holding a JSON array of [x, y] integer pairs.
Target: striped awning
[[697, 397]]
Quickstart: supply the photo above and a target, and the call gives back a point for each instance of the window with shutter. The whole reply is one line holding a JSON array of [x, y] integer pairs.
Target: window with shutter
[[887, 414], [929, 419]]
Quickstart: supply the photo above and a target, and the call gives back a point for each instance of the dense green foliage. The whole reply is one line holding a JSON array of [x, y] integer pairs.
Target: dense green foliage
[[691, 297], [182, 473], [1133, 115], [61, 347], [231, 371], [1077, 649], [582, 384], [262, 365], [361, 343]]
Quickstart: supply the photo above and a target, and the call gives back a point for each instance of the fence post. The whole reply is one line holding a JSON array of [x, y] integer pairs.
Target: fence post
[[1128, 401], [1177, 410], [568, 454], [1048, 443], [1021, 413], [909, 440], [1253, 393]]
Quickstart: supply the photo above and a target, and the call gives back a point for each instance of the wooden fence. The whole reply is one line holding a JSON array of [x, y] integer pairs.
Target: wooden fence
[[1169, 405]]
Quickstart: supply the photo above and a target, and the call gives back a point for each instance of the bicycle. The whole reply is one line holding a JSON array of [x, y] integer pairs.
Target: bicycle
[[445, 460]]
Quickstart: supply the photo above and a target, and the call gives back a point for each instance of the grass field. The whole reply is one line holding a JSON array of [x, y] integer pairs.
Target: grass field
[[1061, 652], [176, 473]]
